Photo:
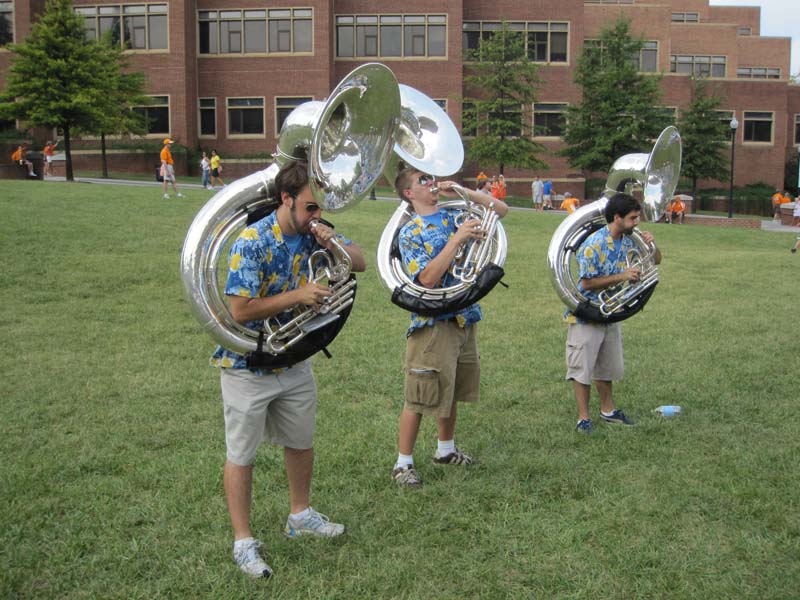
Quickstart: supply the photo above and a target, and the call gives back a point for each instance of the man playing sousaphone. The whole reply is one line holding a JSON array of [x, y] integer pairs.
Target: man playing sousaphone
[[267, 278], [594, 350], [442, 364]]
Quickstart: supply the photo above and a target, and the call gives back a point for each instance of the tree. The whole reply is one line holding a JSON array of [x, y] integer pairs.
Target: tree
[[704, 135], [124, 90], [505, 82], [618, 113], [58, 78]]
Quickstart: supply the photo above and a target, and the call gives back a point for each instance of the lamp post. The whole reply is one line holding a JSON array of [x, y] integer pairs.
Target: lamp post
[[734, 125]]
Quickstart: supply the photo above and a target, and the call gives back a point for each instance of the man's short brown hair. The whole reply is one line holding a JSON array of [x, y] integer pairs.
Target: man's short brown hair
[[404, 180], [292, 178]]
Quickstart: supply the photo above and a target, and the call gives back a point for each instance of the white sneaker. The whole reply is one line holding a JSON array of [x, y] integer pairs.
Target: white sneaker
[[181, 195], [314, 524], [246, 555], [166, 196]]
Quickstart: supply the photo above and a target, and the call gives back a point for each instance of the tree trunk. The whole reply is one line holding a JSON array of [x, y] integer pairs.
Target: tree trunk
[[103, 159], [68, 153]]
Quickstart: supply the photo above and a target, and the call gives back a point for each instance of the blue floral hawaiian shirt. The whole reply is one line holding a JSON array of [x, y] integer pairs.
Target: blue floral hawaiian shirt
[[599, 256], [264, 263], [421, 239]]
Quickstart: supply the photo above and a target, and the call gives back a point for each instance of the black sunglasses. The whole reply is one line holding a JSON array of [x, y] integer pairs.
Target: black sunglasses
[[426, 179]]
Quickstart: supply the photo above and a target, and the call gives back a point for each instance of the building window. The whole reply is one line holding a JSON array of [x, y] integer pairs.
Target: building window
[[134, 26], [156, 115], [758, 73], [646, 61], [273, 31], [442, 102], [685, 17], [387, 36], [245, 116], [702, 66], [6, 23], [208, 117], [797, 129], [545, 42], [549, 119], [757, 126], [725, 117], [744, 31], [284, 106]]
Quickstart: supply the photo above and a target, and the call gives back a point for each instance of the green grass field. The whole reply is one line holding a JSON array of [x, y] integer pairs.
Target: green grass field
[[112, 438]]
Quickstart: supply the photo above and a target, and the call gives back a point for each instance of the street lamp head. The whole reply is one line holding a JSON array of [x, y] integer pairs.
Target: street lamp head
[[734, 123]]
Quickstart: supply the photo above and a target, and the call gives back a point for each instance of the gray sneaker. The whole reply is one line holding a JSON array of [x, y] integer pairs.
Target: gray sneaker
[[407, 477], [454, 458], [249, 559], [315, 524]]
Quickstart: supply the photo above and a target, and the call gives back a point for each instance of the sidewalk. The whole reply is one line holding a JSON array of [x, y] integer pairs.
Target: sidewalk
[[773, 226]]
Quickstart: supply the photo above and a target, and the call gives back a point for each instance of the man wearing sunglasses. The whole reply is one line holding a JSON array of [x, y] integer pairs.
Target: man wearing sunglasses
[[267, 278], [442, 365]]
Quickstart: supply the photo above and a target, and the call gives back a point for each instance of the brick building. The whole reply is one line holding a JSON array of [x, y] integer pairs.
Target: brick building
[[225, 74]]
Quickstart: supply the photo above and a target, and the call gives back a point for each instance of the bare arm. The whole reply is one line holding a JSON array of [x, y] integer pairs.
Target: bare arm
[[432, 274], [324, 234], [500, 207], [250, 309]]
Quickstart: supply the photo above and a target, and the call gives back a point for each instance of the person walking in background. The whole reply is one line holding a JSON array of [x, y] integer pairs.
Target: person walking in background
[[216, 169], [796, 245], [594, 350], [442, 364], [796, 212], [547, 195], [19, 157], [205, 167], [49, 150], [537, 190], [262, 404], [168, 169]]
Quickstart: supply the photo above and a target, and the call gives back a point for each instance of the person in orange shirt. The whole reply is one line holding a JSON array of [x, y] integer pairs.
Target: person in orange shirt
[[675, 210], [777, 199], [501, 188], [48, 151], [481, 177], [18, 156], [495, 188], [570, 203], [168, 169]]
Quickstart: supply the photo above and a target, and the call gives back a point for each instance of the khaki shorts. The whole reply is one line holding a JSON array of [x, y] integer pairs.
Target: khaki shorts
[[283, 404], [168, 172], [594, 352], [442, 366]]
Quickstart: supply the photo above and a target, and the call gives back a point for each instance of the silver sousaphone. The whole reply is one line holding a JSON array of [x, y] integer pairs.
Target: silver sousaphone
[[347, 141], [657, 173], [428, 140]]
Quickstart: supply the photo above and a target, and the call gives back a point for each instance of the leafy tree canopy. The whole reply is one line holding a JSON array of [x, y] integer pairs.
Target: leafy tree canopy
[[704, 133], [619, 111], [502, 82], [59, 79]]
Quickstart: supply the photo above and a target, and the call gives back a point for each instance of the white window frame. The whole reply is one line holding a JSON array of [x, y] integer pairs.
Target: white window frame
[[245, 136]]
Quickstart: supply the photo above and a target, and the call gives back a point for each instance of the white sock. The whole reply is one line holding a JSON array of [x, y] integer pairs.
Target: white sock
[[445, 448], [299, 516], [404, 460], [607, 414]]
